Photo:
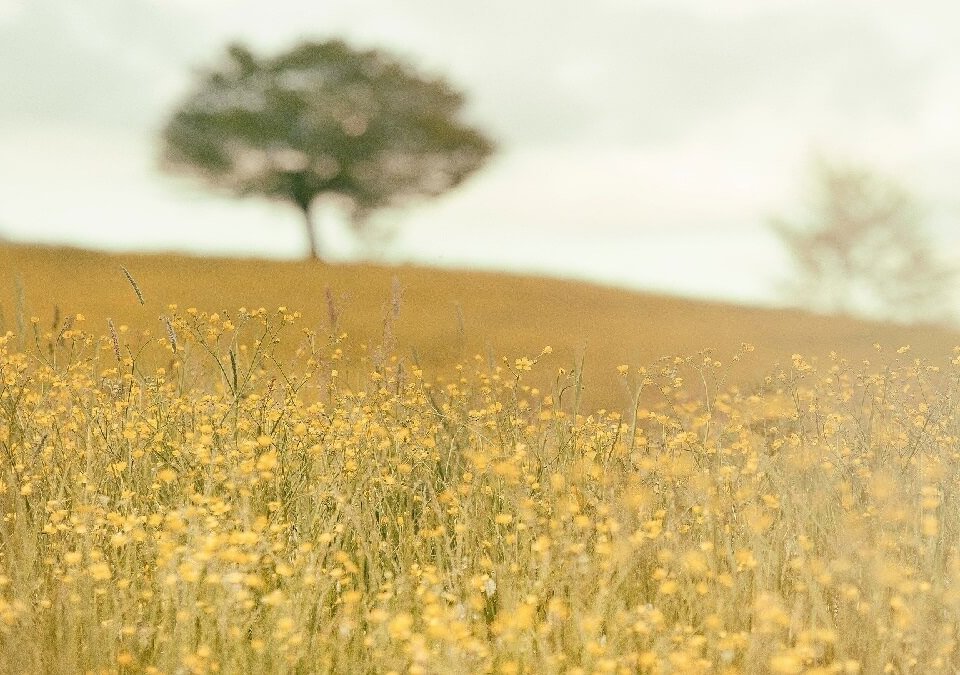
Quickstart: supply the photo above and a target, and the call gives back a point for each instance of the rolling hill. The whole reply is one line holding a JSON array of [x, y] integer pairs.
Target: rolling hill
[[445, 317]]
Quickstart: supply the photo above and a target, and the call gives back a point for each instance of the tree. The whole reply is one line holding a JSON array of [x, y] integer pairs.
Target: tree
[[324, 120], [862, 250]]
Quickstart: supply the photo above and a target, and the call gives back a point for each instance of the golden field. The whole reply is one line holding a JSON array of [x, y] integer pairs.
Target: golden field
[[445, 316], [284, 491]]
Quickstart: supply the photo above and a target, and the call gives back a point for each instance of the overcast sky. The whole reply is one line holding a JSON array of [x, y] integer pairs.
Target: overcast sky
[[644, 143]]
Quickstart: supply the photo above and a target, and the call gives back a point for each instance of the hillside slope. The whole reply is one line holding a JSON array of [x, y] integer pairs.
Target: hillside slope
[[445, 316]]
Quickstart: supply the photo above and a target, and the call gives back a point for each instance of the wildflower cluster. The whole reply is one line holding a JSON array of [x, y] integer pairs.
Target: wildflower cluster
[[189, 502]]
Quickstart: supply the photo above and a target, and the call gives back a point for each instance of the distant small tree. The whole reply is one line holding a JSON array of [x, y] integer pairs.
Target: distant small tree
[[321, 120], [862, 250]]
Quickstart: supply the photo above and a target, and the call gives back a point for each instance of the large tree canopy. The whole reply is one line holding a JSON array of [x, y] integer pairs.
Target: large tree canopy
[[324, 119]]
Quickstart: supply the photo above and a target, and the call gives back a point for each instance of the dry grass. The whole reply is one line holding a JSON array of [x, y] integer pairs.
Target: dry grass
[[194, 491], [233, 511], [446, 316]]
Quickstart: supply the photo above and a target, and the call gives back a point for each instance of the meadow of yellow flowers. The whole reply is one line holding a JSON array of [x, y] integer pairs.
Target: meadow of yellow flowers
[[187, 500]]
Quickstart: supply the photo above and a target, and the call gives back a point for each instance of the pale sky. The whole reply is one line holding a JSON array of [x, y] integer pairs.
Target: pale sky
[[643, 143]]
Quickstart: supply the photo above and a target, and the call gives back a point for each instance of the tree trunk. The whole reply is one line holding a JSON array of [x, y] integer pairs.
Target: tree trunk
[[311, 233]]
